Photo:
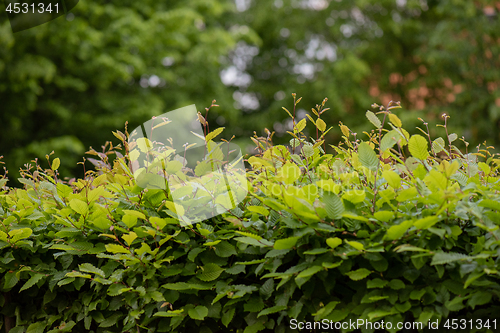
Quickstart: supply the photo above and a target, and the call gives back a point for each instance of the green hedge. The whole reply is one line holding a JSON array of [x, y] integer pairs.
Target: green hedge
[[392, 228]]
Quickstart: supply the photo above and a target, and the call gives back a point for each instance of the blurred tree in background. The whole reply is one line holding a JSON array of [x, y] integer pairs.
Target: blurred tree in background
[[434, 56], [67, 84]]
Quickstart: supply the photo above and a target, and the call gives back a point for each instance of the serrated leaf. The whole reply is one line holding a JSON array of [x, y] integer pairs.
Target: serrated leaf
[[224, 249], [389, 140], [111, 320], [392, 178], [228, 316], [198, 313], [214, 133], [438, 145], [79, 206], [270, 310], [32, 281], [89, 268], [397, 231], [286, 243], [320, 124], [345, 130], [356, 245], [395, 120], [18, 234], [301, 125], [333, 205], [309, 271], [115, 248], [441, 258], [376, 283], [37, 327], [289, 173], [480, 298], [253, 241], [367, 156], [418, 147], [210, 272], [76, 274], [426, 222], [258, 209], [173, 313]]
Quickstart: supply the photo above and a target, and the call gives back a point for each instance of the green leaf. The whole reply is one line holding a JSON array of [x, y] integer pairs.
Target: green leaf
[[441, 258], [32, 281], [198, 313], [325, 311], [395, 120], [111, 320], [267, 288], [418, 147], [288, 173], [258, 209], [56, 163], [129, 238], [333, 242], [333, 205], [392, 178], [372, 117], [356, 245], [354, 196], [479, 298], [286, 243], [212, 135], [174, 313], [134, 213], [397, 231], [186, 286], [10, 280], [384, 216], [396, 284], [438, 145], [253, 241], [389, 140], [320, 124], [358, 274], [89, 268], [228, 316], [376, 283], [115, 248], [301, 125], [270, 310], [407, 194], [210, 272], [37, 327], [367, 156], [426, 222], [309, 271], [79, 206], [18, 234], [224, 249]]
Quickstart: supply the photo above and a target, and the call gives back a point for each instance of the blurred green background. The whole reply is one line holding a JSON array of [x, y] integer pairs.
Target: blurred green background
[[65, 85]]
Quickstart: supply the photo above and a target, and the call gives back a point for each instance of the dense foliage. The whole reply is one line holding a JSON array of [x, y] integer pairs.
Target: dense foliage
[[395, 227]]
